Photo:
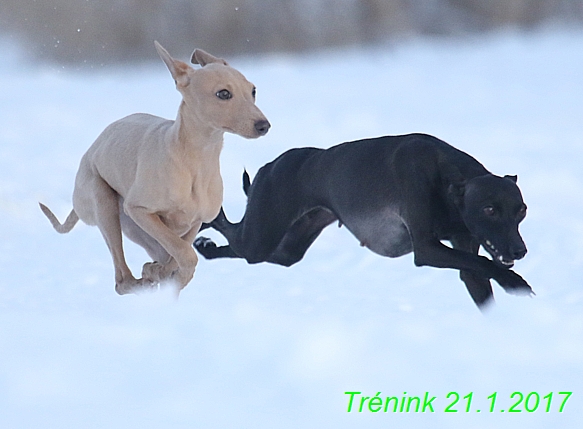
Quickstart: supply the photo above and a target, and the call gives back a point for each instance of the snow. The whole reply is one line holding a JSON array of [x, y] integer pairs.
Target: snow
[[264, 346]]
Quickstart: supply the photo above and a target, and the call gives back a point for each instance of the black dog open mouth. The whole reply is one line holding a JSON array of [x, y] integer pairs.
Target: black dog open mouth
[[497, 255]]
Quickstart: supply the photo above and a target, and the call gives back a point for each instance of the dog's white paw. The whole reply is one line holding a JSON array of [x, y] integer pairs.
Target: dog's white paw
[[203, 243]]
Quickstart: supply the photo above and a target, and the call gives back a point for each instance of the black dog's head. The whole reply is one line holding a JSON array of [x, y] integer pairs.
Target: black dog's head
[[492, 207]]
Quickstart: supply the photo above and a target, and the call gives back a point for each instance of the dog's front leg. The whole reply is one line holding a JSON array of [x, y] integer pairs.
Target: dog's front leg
[[208, 248], [157, 272], [479, 288], [431, 252], [179, 249]]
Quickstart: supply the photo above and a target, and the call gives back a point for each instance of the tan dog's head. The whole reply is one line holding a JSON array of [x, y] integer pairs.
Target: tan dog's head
[[217, 94]]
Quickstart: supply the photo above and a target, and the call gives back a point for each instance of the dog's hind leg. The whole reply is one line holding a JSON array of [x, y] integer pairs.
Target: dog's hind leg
[[290, 249], [207, 247], [253, 239], [105, 211], [480, 288], [300, 236]]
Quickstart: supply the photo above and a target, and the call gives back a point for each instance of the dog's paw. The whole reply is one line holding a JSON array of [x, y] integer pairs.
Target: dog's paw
[[205, 246], [152, 271], [203, 243], [134, 286], [513, 283], [155, 272], [123, 289]]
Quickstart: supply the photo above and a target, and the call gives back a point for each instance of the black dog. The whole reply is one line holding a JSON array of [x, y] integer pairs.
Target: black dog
[[396, 194]]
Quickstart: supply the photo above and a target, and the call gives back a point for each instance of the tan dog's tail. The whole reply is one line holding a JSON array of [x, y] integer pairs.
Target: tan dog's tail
[[64, 228]]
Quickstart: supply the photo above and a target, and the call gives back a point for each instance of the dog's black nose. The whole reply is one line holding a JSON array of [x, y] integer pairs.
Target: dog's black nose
[[262, 127], [518, 252]]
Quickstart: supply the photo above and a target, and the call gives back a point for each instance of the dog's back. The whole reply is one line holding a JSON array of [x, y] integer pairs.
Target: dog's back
[[285, 172], [123, 144]]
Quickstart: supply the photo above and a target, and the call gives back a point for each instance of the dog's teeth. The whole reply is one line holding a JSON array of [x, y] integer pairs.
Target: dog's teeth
[[490, 245], [507, 263]]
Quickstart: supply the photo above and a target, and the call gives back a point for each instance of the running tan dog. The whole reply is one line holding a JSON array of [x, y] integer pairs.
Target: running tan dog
[[158, 180]]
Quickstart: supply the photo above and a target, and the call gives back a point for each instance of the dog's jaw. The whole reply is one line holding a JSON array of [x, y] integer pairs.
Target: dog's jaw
[[497, 256]]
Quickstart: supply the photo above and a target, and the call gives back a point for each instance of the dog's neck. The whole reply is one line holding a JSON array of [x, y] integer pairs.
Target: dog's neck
[[195, 135], [197, 148]]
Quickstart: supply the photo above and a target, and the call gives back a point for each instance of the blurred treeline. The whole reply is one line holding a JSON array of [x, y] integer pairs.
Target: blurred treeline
[[103, 32]]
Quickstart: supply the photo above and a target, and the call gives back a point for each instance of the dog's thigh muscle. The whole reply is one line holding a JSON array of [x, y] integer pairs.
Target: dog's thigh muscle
[[87, 183], [300, 236], [256, 237], [104, 209]]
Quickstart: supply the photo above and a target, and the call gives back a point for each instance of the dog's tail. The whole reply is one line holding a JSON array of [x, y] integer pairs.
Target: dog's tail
[[61, 228], [246, 182]]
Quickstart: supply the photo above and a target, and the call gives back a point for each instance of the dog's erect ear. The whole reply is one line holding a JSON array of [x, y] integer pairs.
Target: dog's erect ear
[[178, 69], [203, 58], [513, 178]]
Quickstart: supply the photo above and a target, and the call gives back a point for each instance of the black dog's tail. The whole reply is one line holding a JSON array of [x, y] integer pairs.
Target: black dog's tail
[[246, 182]]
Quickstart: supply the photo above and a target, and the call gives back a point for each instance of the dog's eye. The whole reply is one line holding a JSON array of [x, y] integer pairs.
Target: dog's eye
[[254, 92], [489, 210], [224, 94]]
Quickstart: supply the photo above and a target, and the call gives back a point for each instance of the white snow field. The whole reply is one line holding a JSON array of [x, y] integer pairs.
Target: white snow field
[[262, 346]]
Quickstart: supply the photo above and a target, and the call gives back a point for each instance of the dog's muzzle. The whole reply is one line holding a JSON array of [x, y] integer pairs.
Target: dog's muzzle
[[516, 252]]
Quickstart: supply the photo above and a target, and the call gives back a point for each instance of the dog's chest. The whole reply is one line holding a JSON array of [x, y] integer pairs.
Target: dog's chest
[[188, 215], [191, 203], [207, 195]]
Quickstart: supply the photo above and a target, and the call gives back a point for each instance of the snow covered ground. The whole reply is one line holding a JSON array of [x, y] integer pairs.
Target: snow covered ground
[[271, 347]]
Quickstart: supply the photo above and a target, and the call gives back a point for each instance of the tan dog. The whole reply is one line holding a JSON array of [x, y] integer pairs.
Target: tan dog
[[159, 180]]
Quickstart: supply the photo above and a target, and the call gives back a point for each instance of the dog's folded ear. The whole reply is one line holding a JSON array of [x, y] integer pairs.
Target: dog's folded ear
[[514, 178], [178, 69], [456, 191], [203, 58], [454, 181]]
